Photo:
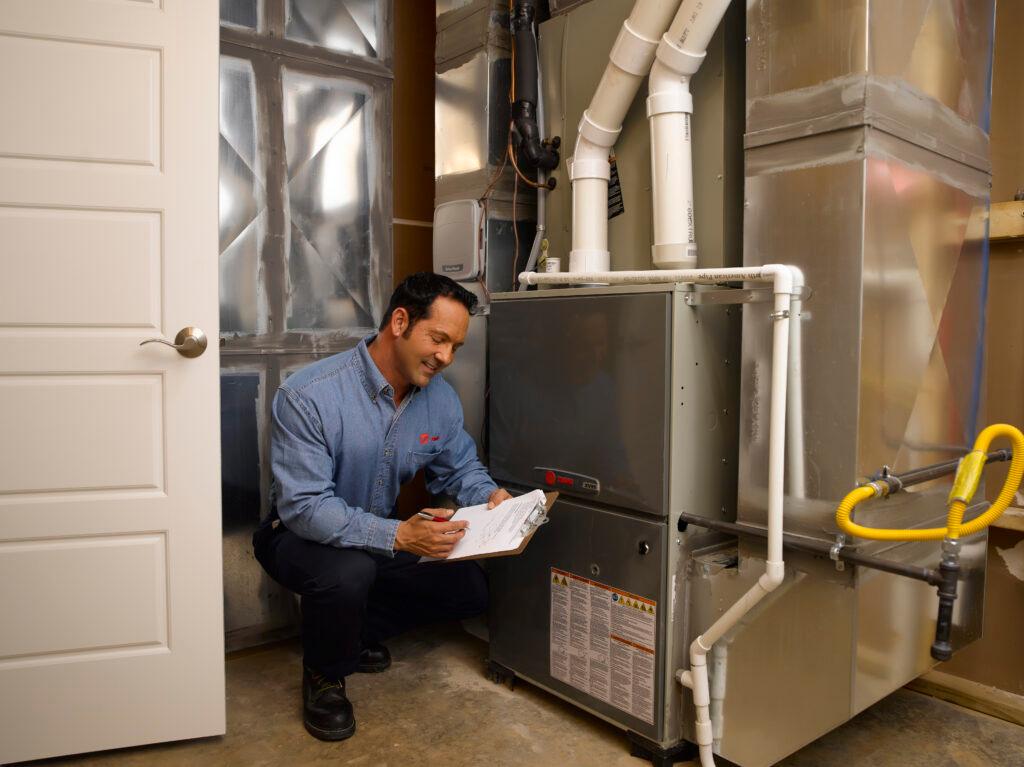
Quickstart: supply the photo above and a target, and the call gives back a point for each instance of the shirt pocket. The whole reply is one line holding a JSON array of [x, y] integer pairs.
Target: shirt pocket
[[422, 456]]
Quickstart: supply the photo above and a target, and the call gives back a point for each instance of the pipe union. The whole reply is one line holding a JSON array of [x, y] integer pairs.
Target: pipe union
[[678, 60], [669, 101], [597, 134], [632, 52]]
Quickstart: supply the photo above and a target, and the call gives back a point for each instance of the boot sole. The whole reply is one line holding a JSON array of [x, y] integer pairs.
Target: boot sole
[[373, 668], [330, 735]]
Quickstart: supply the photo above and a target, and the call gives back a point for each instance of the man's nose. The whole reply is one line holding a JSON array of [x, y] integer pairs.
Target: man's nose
[[445, 355]]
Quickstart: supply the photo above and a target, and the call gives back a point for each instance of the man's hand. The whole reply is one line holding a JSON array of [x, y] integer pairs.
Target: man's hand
[[427, 538], [499, 495]]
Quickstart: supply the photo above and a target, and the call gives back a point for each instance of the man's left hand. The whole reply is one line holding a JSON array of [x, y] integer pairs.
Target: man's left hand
[[499, 495]]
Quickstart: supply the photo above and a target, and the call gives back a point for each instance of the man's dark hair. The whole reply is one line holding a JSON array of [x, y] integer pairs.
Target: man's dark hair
[[418, 291]]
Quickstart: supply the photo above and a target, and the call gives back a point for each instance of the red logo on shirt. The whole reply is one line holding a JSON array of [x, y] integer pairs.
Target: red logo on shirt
[[425, 438]]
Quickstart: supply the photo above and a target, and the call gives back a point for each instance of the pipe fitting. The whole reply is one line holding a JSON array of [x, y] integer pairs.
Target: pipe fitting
[[583, 260], [677, 58], [597, 134], [589, 168], [949, 569], [774, 574], [670, 102], [632, 52], [782, 277]]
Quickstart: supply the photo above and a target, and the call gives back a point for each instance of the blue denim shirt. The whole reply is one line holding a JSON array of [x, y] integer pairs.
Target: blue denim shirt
[[341, 449]]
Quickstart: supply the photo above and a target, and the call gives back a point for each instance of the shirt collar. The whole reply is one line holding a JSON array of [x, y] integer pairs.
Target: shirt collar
[[373, 380]]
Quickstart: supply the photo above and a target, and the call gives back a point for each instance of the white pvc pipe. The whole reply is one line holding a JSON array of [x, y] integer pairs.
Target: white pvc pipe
[[669, 109], [628, 63], [796, 461], [783, 279], [695, 24]]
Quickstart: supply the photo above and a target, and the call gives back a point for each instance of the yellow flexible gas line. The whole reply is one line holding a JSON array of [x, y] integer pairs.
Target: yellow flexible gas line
[[968, 476]]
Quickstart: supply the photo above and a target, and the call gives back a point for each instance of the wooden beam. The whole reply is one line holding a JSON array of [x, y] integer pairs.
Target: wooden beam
[[1006, 221], [973, 695]]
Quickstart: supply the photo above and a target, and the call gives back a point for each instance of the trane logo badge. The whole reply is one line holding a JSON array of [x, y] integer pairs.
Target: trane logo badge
[[450, 268]]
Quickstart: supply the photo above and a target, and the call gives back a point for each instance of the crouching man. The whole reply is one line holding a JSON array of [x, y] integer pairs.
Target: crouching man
[[348, 431]]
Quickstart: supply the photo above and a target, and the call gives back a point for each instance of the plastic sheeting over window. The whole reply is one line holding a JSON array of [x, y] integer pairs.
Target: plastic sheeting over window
[[331, 160], [241, 13], [243, 203], [345, 26]]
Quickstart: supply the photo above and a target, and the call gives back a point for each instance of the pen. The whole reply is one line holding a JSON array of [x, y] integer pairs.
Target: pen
[[431, 517]]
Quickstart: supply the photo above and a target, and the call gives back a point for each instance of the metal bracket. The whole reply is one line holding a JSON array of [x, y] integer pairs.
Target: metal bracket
[[783, 315], [833, 553], [728, 296], [737, 296]]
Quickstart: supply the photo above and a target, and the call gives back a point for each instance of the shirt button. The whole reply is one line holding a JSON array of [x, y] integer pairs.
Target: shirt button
[[387, 452], [380, 482]]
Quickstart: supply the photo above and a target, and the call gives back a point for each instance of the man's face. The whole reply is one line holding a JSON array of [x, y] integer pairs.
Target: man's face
[[429, 346]]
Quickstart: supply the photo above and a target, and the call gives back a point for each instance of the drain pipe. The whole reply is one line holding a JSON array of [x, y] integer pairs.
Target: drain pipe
[[628, 63], [783, 279], [696, 678], [669, 108]]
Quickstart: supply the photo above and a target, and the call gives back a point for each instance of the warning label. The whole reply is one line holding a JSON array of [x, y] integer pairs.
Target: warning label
[[603, 642]]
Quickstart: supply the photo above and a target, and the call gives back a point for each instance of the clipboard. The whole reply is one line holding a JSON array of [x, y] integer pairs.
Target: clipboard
[[537, 518]]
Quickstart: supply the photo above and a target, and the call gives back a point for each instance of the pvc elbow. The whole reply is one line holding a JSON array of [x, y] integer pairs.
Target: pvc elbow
[[590, 160], [798, 279], [782, 277], [669, 93], [664, 78]]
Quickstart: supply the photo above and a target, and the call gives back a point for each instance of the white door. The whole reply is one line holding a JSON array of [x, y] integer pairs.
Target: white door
[[110, 540]]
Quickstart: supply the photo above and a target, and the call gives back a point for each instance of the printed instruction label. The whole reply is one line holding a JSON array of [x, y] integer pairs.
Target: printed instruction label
[[603, 642]]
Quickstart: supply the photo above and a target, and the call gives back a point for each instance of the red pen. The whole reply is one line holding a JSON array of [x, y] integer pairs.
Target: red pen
[[431, 517]]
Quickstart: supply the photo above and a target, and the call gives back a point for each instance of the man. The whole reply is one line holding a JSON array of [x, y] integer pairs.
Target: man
[[348, 431]]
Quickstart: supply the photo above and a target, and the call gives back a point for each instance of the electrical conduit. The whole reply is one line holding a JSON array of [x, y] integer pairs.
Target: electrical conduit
[[669, 108], [628, 63]]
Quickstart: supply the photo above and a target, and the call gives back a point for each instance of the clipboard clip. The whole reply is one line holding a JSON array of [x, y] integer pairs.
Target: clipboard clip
[[538, 517]]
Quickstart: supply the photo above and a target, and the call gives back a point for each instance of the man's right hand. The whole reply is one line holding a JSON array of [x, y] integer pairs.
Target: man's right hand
[[428, 538]]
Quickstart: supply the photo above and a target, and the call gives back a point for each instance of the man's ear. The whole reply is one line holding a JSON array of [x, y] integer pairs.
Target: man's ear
[[399, 321]]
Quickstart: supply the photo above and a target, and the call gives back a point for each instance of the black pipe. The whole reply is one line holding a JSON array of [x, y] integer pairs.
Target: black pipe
[[942, 647], [934, 471], [821, 548], [533, 152]]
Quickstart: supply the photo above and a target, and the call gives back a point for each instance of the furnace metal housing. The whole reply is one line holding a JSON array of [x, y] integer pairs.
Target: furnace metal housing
[[866, 166]]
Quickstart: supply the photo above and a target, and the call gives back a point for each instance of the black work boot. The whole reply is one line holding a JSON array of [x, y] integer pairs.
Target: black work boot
[[326, 711], [374, 658]]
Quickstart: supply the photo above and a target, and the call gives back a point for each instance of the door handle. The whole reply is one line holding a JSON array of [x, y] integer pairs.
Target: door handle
[[190, 342]]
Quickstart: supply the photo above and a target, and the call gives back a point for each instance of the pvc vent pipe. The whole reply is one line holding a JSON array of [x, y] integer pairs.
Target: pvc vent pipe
[[628, 63], [669, 109]]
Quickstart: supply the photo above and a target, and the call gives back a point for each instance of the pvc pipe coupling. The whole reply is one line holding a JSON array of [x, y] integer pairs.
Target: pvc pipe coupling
[[632, 52]]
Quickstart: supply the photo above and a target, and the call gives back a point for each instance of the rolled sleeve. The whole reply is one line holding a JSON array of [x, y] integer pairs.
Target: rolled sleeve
[[304, 475]]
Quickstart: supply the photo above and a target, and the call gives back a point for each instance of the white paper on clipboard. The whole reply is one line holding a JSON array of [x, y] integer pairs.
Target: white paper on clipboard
[[498, 530]]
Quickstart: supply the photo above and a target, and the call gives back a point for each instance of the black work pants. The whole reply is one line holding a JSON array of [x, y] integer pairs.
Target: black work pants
[[352, 597]]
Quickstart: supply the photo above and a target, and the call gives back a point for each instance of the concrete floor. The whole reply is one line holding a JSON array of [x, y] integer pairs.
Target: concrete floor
[[435, 707]]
